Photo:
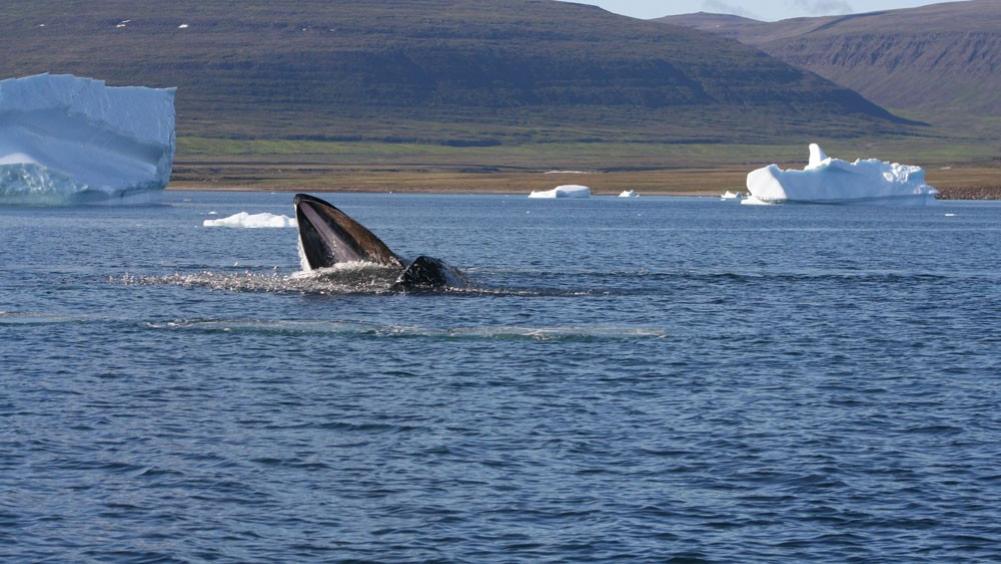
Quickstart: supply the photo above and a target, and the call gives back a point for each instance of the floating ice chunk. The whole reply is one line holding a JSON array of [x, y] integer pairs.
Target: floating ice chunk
[[629, 194], [566, 191], [834, 181], [183, 26], [817, 156], [68, 140], [244, 220], [728, 195]]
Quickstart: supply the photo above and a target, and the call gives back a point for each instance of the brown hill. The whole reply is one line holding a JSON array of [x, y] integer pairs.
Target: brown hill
[[933, 60], [440, 71]]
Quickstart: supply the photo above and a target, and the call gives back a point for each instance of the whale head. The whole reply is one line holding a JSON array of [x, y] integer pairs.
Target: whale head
[[328, 236]]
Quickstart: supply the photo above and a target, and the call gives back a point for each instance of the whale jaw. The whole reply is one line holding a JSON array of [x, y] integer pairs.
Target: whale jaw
[[328, 236]]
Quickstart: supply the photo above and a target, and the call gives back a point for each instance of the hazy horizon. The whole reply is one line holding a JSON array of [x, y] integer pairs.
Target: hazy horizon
[[757, 9]]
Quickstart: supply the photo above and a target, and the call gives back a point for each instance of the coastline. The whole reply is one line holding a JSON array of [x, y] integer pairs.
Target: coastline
[[977, 182]]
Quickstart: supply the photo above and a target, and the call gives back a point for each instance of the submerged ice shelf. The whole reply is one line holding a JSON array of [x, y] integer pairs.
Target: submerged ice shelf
[[69, 140], [834, 181]]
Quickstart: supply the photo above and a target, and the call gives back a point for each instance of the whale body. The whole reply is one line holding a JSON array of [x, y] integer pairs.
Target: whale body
[[328, 237]]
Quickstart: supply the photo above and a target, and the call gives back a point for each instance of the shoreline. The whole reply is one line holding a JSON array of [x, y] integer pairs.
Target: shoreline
[[961, 183], [429, 191], [974, 195]]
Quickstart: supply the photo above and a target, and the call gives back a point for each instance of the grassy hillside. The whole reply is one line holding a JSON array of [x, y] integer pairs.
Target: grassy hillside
[[938, 63], [450, 72]]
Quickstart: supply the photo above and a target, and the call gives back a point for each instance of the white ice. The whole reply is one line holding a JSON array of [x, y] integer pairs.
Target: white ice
[[834, 181], [566, 191], [728, 195], [69, 140], [244, 220], [629, 194]]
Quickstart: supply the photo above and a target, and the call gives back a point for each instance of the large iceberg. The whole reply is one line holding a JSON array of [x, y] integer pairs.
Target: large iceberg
[[70, 140], [565, 191], [834, 181]]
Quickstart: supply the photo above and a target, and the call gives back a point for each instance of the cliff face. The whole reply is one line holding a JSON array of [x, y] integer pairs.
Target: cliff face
[[939, 58]]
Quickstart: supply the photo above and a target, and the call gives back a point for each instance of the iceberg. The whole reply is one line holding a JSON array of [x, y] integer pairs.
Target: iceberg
[[833, 181], [728, 195], [244, 220], [629, 194], [565, 191], [67, 140]]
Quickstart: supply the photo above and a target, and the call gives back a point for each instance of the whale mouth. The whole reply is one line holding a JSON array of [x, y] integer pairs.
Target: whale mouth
[[328, 236]]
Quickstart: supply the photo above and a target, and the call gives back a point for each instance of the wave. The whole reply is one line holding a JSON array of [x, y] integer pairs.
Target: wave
[[377, 330], [343, 279]]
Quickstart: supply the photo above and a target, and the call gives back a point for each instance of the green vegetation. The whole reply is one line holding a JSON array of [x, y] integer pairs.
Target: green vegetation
[[546, 156]]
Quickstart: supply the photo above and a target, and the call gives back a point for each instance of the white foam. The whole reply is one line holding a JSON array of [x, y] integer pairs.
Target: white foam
[[67, 140], [342, 267], [244, 220], [833, 181], [565, 191]]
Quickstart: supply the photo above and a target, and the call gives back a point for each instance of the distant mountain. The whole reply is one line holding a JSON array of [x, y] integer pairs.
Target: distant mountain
[[443, 71], [728, 25], [943, 58]]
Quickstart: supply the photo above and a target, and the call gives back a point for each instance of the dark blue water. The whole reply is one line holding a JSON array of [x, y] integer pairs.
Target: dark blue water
[[628, 380]]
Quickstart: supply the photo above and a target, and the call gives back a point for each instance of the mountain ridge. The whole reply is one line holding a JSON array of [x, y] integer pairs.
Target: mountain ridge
[[441, 71], [931, 60]]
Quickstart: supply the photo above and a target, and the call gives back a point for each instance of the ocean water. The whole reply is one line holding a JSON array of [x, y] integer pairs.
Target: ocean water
[[627, 380]]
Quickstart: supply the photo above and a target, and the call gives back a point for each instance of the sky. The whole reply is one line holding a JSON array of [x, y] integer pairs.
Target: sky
[[757, 9]]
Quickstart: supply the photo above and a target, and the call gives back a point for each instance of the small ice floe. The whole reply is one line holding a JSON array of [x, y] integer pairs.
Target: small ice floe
[[950, 215], [565, 191], [123, 23], [182, 26], [835, 181], [244, 220], [629, 194], [565, 172], [728, 195], [41, 25]]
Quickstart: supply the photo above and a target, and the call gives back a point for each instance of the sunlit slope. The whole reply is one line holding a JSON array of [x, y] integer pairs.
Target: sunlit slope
[[942, 59]]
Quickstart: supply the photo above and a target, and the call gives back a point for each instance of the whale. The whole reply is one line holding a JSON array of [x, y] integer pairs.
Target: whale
[[328, 237]]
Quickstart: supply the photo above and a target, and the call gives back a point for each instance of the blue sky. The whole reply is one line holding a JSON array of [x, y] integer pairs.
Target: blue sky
[[759, 9]]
